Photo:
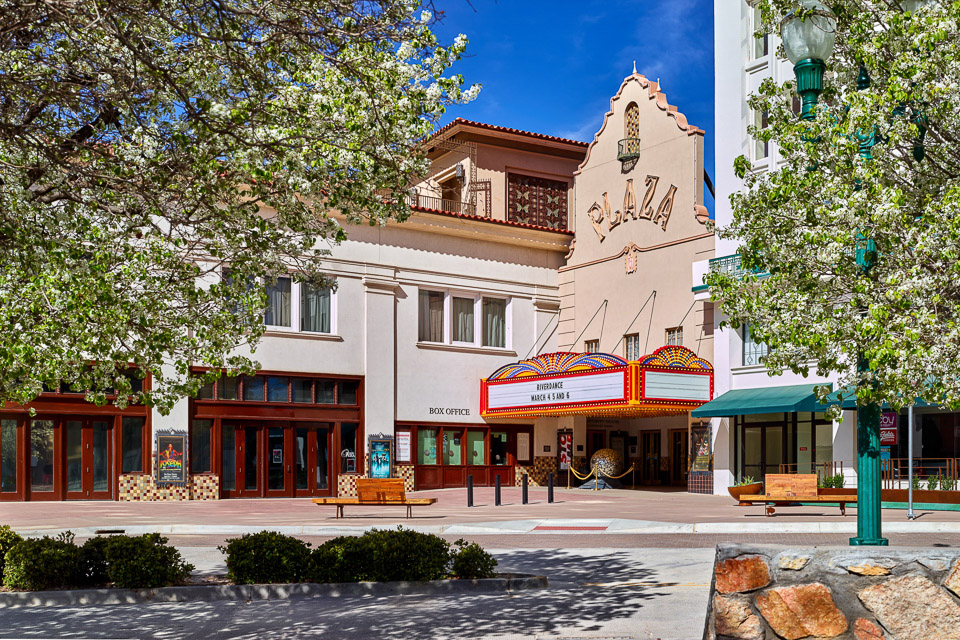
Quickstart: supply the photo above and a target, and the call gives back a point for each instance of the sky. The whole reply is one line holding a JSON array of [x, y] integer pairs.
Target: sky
[[552, 66]]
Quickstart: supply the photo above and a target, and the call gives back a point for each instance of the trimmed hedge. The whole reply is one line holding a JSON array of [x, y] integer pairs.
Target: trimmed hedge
[[8, 538], [141, 562], [267, 557], [376, 556]]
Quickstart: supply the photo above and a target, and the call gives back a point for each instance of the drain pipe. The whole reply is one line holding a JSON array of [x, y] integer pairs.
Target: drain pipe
[[910, 514]]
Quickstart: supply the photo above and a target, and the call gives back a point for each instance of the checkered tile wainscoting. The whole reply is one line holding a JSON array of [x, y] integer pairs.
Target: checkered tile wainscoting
[[143, 488], [542, 465], [405, 471]]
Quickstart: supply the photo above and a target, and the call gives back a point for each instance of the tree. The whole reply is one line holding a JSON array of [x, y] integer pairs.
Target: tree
[[803, 225], [148, 146]]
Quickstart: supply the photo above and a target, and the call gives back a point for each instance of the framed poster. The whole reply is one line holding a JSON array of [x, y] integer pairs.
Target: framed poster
[[171, 467], [381, 456], [403, 446], [700, 443], [523, 446]]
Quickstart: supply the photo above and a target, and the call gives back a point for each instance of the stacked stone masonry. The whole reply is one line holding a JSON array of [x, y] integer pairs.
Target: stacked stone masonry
[[769, 593]]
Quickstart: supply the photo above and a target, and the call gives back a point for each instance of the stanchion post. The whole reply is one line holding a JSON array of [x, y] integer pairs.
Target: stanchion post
[[496, 491], [469, 491], [550, 487], [524, 495]]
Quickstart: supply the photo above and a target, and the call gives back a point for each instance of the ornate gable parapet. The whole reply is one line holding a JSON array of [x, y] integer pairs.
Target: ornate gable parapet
[[653, 93]]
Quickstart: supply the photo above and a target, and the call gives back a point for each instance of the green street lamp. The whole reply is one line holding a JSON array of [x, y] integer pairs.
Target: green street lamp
[[808, 37]]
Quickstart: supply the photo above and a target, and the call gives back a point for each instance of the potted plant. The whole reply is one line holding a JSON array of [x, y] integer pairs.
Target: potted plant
[[745, 486]]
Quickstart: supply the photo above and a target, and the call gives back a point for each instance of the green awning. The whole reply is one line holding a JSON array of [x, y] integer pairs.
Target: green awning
[[740, 402], [850, 400]]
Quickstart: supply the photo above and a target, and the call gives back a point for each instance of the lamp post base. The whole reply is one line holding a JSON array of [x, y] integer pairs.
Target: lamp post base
[[869, 542]]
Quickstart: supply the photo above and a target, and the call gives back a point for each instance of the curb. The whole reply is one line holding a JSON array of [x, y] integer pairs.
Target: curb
[[248, 592]]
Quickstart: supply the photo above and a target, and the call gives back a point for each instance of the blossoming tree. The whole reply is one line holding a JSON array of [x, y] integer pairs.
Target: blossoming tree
[[850, 245], [145, 145]]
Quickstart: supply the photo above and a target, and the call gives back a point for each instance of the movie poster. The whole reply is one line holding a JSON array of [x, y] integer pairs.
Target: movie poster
[[171, 458], [566, 450], [380, 458], [701, 448]]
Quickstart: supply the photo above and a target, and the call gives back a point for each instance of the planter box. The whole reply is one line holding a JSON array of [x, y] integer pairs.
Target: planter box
[[921, 495], [745, 490]]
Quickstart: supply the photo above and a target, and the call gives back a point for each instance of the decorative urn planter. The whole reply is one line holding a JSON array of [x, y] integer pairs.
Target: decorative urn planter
[[751, 489]]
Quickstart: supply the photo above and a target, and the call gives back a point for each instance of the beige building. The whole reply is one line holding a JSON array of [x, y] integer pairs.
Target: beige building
[[524, 252]]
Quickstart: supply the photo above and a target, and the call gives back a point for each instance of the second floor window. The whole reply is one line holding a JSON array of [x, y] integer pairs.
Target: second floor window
[[631, 346], [761, 43], [296, 306], [537, 201], [472, 319], [753, 351], [675, 336], [591, 346], [761, 148]]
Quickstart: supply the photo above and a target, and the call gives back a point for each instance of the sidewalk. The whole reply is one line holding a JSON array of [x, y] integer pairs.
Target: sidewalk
[[574, 511]]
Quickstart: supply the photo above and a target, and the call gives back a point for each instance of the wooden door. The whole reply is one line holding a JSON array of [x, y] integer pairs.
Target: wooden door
[[311, 460], [277, 462], [88, 458], [241, 451], [650, 446], [45, 474], [679, 448], [596, 440], [12, 458]]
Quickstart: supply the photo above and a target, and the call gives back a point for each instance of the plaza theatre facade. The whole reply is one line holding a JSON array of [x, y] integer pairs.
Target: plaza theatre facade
[[634, 345], [521, 246]]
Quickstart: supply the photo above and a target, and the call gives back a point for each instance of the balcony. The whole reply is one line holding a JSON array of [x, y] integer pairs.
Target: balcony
[[440, 204], [729, 265], [628, 149]]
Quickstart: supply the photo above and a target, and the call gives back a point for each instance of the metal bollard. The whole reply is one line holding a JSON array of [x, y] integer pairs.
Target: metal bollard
[[550, 487], [469, 491], [525, 497], [496, 492]]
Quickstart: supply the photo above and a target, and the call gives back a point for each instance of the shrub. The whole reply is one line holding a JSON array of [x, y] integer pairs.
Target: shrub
[[932, 483], [832, 482], [8, 538], [35, 564], [382, 555], [144, 562], [744, 481], [93, 560], [916, 483], [471, 562], [948, 483], [267, 557]]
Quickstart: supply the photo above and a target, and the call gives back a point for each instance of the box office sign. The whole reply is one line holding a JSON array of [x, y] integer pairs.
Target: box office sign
[[571, 389], [171, 467], [889, 421]]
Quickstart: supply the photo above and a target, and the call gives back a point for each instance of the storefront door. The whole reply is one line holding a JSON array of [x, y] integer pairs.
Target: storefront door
[[650, 455], [278, 466], [311, 455], [11, 437], [240, 454], [596, 440], [89, 468]]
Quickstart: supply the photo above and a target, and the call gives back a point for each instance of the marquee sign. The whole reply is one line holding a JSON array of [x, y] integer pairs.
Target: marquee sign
[[670, 380]]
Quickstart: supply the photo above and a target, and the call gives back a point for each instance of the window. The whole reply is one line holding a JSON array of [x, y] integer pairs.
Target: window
[[132, 439], [200, 446], [761, 43], [431, 316], [631, 121], [8, 456], [228, 388], [206, 392], [463, 319], [348, 392], [426, 446], [302, 390], [753, 351], [675, 336], [277, 389], [631, 346], [494, 322], [761, 148], [537, 201], [476, 447], [253, 388], [278, 309], [348, 448], [591, 346], [315, 309], [326, 391]]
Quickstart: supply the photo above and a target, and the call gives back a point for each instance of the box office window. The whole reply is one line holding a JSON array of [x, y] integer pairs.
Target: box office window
[[200, 446], [348, 448], [452, 446], [476, 448], [132, 438], [426, 446]]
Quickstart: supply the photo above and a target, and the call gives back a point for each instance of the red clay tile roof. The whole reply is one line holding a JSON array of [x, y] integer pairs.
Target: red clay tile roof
[[511, 223], [493, 127]]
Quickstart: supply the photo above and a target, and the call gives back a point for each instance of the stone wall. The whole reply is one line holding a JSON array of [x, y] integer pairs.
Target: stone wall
[[862, 593]]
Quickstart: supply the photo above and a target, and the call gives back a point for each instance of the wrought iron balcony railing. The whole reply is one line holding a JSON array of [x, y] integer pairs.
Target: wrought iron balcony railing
[[628, 149], [441, 204]]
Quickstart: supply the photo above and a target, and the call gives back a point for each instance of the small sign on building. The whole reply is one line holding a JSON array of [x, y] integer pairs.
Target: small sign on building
[[381, 456], [171, 464], [889, 422]]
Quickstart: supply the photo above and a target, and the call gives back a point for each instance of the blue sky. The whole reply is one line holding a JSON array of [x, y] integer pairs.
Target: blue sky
[[552, 66]]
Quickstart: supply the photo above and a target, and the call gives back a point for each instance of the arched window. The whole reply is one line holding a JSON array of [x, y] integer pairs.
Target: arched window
[[631, 121], [629, 147]]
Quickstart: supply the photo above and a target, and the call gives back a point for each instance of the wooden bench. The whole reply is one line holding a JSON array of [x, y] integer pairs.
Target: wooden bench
[[380, 492], [784, 489]]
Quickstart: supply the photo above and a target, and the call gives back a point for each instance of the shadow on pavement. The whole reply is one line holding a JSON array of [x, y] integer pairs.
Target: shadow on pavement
[[568, 607]]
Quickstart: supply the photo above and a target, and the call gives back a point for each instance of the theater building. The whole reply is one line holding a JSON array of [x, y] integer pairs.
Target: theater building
[[534, 309]]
